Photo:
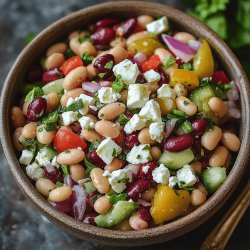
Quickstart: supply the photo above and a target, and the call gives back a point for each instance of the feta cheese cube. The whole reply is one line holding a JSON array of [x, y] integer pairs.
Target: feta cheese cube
[[138, 95], [127, 70], [186, 176], [156, 130], [157, 27], [107, 95], [107, 150], [26, 157], [86, 122], [161, 175], [139, 154], [34, 171], [69, 117], [172, 181], [166, 91], [55, 163], [151, 111], [135, 123], [152, 76], [118, 179], [42, 158]]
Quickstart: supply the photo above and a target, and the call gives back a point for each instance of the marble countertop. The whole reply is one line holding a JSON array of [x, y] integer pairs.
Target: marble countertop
[[21, 226]]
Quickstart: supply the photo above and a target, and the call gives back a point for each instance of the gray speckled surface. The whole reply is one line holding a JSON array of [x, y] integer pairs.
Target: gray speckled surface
[[21, 226]]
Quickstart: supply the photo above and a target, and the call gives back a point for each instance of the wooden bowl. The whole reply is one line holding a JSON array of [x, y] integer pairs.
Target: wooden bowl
[[82, 18]]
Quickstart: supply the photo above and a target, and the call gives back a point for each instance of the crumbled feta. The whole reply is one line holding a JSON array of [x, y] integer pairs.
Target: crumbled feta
[[135, 123], [69, 117], [86, 122], [166, 91], [34, 171], [186, 176], [55, 163], [151, 111], [138, 95], [157, 27], [161, 175], [93, 107], [118, 179], [42, 158], [172, 181], [152, 76], [127, 70], [107, 95], [107, 150], [145, 169], [26, 157], [156, 130], [139, 154]]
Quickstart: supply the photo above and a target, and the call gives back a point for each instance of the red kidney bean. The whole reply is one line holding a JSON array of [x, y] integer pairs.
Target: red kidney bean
[[140, 79], [104, 65], [144, 214], [164, 77], [51, 75], [94, 158], [138, 187], [106, 22], [36, 109], [126, 28], [63, 206], [89, 218], [199, 150], [90, 199], [34, 73], [178, 143], [199, 126], [103, 36], [204, 163], [152, 165], [53, 173], [131, 140]]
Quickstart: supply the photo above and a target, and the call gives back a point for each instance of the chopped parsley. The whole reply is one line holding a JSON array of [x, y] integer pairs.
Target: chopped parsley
[[34, 93], [114, 198], [122, 119], [187, 66], [169, 62], [147, 147], [85, 39], [89, 166], [109, 65], [187, 127], [118, 85], [101, 75], [59, 184], [65, 169], [75, 106], [93, 145], [114, 152], [87, 58]]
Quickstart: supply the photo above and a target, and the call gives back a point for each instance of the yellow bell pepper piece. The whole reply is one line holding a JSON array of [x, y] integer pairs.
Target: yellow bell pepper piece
[[203, 61], [169, 204], [185, 77]]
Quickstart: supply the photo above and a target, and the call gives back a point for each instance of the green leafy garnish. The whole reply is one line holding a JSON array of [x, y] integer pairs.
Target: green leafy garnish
[[114, 198], [122, 119], [169, 62], [93, 145], [34, 93], [187, 127], [87, 58], [147, 147], [118, 85], [114, 152], [187, 66], [59, 184], [89, 166], [65, 169], [101, 75], [75, 106], [109, 65], [85, 39]]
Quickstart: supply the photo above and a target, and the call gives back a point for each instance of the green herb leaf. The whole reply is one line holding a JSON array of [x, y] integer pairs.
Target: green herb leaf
[[89, 166], [59, 184], [122, 119], [101, 75], [114, 152], [75, 106], [118, 85], [93, 145], [187, 127], [109, 65], [179, 113], [147, 147], [114, 198], [85, 39], [187, 66], [65, 169], [148, 122], [34, 93], [169, 62], [87, 58]]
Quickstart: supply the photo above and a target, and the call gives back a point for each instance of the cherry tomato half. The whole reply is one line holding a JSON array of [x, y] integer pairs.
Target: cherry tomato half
[[70, 64]]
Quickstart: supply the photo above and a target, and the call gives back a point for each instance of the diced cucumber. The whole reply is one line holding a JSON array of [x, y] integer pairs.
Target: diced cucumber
[[175, 161], [200, 97], [213, 178], [120, 211], [55, 86], [90, 188]]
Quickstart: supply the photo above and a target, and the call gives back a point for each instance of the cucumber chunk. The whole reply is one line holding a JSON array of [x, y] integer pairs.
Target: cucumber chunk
[[213, 178], [120, 211], [55, 86], [200, 97], [175, 161]]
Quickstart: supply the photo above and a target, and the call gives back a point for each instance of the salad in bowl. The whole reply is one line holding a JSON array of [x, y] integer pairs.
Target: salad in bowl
[[127, 124]]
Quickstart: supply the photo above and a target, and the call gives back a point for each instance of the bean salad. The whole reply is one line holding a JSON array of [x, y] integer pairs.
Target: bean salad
[[127, 124]]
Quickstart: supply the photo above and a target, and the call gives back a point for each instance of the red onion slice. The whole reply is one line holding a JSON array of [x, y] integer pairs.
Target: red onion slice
[[180, 49], [170, 124], [194, 44], [68, 181], [233, 113], [144, 203], [105, 83], [91, 87], [139, 58], [78, 200]]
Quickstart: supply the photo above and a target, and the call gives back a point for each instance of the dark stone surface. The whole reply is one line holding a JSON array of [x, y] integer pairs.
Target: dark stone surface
[[21, 226]]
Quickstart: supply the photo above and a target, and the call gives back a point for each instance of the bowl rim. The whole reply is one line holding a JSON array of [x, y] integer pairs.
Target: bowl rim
[[151, 235]]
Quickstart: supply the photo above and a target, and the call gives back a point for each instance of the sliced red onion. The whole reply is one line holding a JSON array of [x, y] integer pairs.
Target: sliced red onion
[[180, 49], [134, 169], [194, 44], [68, 181], [170, 124], [233, 113], [105, 83], [233, 95], [50, 168], [144, 203], [139, 58], [78, 200], [91, 87]]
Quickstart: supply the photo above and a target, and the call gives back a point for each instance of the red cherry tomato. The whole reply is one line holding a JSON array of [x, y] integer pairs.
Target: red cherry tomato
[[152, 63], [66, 139], [120, 138], [70, 64]]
